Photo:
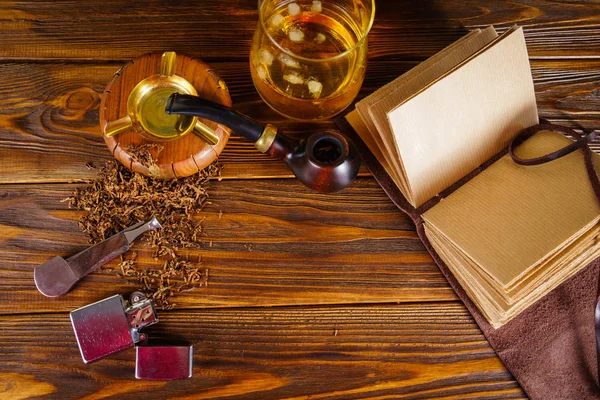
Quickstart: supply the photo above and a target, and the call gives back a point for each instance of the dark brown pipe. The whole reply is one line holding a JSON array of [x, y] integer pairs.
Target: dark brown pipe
[[326, 162]]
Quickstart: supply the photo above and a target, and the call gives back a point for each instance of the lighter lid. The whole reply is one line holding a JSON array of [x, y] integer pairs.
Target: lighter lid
[[163, 362]]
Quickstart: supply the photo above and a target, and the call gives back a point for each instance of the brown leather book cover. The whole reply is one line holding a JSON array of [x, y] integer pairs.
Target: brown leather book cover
[[550, 347]]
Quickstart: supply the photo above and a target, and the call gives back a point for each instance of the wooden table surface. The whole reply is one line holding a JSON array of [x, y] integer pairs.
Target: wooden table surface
[[310, 295]]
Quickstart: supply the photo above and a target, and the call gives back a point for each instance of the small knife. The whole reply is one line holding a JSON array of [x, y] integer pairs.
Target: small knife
[[57, 276]]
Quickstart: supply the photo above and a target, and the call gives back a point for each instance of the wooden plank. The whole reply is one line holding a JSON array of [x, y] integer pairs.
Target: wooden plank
[[377, 352], [49, 114], [276, 243], [121, 29]]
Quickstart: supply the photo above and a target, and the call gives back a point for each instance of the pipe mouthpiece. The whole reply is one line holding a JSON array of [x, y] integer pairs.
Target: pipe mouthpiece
[[170, 102]]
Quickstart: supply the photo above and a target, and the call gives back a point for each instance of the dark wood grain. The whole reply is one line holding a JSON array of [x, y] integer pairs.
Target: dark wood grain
[[276, 243], [49, 114], [401, 351], [118, 29]]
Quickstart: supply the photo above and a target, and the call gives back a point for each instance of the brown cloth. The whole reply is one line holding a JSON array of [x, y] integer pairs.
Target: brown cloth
[[550, 348]]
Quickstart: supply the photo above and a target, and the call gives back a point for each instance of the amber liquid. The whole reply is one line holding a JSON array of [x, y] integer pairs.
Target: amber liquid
[[309, 74]]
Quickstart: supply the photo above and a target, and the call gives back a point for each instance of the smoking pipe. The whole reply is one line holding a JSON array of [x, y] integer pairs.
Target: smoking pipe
[[326, 161]]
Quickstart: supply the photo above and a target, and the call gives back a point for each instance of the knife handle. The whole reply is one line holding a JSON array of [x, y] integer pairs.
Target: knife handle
[[93, 257]]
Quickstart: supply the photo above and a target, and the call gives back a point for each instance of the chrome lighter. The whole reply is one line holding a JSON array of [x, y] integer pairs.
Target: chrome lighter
[[111, 325]]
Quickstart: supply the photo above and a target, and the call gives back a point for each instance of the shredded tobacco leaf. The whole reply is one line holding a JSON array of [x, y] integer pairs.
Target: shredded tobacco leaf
[[118, 198], [175, 276], [142, 153]]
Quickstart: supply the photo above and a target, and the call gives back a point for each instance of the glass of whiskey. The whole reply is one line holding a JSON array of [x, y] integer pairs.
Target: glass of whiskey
[[308, 57]]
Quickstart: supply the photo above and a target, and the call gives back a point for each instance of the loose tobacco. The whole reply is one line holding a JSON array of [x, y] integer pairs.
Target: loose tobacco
[[118, 198]]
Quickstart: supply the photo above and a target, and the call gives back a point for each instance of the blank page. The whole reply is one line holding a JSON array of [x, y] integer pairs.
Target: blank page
[[509, 217], [463, 119]]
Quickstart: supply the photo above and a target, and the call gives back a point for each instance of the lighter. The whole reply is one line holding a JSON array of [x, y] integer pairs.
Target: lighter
[[110, 325]]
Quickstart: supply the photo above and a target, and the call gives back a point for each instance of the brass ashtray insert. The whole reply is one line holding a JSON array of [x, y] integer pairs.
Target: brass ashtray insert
[[146, 108]]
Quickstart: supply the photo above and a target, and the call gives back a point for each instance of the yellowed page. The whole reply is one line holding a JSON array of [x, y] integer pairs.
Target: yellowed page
[[555, 269], [359, 127], [392, 158], [495, 309], [510, 216], [376, 109], [463, 119], [390, 87]]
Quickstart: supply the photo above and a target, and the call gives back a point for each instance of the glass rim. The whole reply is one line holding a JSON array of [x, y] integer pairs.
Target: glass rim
[[302, 58]]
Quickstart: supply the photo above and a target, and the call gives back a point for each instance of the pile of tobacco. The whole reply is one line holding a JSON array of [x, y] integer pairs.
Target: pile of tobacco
[[118, 198]]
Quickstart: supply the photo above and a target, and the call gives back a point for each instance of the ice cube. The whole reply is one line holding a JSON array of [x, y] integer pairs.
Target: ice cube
[[294, 78], [315, 87], [289, 61], [262, 72], [316, 7], [293, 9], [276, 20], [320, 38], [265, 57], [296, 35]]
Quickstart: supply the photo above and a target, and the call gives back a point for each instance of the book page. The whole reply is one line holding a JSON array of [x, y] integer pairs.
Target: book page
[[460, 121], [390, 87], [361, 130], [511, 217], [362, 107], [376, 108], [394, 93]]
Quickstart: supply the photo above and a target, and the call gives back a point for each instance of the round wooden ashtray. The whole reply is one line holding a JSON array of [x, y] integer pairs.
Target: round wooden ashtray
[[132, 114]]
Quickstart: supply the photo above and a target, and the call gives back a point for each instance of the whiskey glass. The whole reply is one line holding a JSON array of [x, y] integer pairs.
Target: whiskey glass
[[308, 57]]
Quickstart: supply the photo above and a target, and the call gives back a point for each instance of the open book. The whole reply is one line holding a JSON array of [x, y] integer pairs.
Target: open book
[[511, 233]]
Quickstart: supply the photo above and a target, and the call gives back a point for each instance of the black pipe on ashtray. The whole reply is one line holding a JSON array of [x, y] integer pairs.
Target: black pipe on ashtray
[[325, 162]]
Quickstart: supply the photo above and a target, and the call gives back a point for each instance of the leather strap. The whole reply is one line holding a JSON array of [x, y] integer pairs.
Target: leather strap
[[581, 142]]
